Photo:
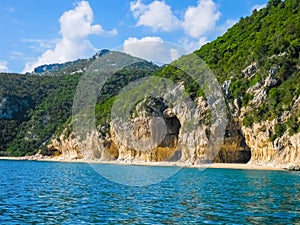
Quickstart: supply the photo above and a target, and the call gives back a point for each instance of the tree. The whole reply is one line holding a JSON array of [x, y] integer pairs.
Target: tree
[[272, 3]]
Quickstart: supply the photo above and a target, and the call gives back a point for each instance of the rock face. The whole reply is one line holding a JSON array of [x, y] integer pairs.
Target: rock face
[[285, 150], [92, 147], [234, 148], [250, 70], [140, 143], [157, 136], [177, 133]]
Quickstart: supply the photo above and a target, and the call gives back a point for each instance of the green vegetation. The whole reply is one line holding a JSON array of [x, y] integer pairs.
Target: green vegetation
[[50, 106], [271, 38], [177, 75], [35, 108], [42, 105], [270, 31], [112, 88]]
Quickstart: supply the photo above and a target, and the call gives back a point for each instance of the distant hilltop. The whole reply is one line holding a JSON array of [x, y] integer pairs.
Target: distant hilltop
[[65, 68]]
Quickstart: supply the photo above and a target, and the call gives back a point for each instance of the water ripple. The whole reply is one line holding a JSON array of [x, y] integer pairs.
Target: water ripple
[[73, 193]]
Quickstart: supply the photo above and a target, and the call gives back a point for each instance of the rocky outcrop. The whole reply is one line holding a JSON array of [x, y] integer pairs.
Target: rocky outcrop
[[182, 132], [66, 146], [146, 141], [179, 133], [285, 150], [250, 70], [234, 148], [91, 147]]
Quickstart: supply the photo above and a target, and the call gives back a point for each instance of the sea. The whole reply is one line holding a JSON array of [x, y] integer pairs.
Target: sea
[[34, 192]]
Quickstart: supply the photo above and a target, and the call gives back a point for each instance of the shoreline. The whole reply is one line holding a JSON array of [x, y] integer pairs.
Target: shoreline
[[176, 164]]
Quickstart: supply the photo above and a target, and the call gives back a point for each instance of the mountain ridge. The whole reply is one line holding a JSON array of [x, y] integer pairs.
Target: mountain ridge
[[70, 67]]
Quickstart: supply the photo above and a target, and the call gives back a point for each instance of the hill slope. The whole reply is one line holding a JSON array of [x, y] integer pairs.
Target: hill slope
[[257, 64], [33, 107]]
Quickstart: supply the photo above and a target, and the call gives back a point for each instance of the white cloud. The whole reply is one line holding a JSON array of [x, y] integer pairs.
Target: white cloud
[[258, 7], [201, 19], [198, 22], [192, 44], [77, 23], [75, 27], [138, 8], [157, 15], [3, 66], [153, 49]]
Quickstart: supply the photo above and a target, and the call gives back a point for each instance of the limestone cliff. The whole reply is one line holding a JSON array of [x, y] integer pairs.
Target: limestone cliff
[[157, 134], [285, 150], [257, 65]]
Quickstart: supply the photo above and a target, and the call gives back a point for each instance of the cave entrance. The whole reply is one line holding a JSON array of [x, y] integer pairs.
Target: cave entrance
[[166, 150], [234, 148]]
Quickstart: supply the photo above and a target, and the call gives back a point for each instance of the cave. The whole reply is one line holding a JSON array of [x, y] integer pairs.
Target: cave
[[166, 150], [173, 127], [233, 156], [234, 148]]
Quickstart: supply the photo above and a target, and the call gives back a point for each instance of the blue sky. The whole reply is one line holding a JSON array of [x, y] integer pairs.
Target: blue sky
[[38, 32]]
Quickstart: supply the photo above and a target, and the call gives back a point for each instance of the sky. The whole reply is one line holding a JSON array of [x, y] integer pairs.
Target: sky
[[38, 32]]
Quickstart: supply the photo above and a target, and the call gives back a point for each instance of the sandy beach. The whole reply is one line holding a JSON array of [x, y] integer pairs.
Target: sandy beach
[[178, 164]]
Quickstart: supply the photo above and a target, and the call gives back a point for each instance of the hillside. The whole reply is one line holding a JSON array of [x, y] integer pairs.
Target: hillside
[[256, 63], [32, 103], [36, 106], [263, 46]]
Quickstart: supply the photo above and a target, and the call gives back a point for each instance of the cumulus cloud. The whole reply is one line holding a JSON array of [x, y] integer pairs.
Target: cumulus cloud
[[258, 7], [3, 66], [201, 19], [138, 8], [153, 49], [157, 15], [198, 22], [75, 27]]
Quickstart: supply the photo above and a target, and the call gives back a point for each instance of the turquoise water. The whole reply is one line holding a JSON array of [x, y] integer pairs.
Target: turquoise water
[[73, 193]]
